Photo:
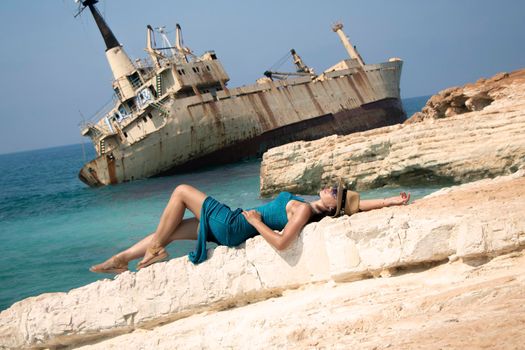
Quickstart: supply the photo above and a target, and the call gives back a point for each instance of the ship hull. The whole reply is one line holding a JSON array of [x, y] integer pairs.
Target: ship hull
[[373, 115], [242, 122]]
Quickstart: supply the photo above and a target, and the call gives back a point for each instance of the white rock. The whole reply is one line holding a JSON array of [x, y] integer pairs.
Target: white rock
[[460, 306], [460, 222]]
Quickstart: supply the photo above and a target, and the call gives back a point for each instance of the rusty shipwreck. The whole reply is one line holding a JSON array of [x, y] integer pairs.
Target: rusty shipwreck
[[174, 111]]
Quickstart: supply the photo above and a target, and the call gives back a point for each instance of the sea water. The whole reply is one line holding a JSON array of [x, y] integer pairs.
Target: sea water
[[53, 227]]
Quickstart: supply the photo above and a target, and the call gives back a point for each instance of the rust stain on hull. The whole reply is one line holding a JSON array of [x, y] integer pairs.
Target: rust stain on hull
[[314, 100], [355, 89], [123, 167], [290, 99], [363, 80], [260, 116], [88, 175], [217, 120], [269, 112], [112, 173]]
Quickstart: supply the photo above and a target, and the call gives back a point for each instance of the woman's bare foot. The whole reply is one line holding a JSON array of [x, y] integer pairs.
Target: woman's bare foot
[[402, 199], [153, 255], [114, 265]]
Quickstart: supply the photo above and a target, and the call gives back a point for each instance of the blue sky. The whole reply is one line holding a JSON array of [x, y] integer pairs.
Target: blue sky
[[53, 66]]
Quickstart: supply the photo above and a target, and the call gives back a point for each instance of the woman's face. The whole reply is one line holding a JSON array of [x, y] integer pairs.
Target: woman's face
[[329, 197]]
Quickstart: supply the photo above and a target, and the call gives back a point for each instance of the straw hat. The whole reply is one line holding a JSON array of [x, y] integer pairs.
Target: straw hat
[[347, 201]]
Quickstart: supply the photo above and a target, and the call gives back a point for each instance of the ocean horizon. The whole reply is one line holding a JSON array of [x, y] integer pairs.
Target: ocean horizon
[[54, 227]]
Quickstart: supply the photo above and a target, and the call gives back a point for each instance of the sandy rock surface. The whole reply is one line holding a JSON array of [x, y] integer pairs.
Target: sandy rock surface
[[472, 222], [467, 145], [480, 305]]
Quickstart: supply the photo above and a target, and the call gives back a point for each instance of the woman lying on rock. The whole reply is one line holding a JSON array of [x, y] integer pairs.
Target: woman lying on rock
[[216, 222]]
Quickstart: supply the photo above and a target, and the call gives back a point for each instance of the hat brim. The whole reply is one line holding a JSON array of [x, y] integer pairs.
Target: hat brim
[[351, 202], [340, 188]]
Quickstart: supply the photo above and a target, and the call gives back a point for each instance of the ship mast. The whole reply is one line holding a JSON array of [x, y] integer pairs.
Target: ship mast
[[352, 51], [153, 53], [178, 43], [124, 72]]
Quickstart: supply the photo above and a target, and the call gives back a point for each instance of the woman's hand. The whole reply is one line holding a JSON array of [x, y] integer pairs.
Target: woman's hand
[[252, 216], [300, 216]]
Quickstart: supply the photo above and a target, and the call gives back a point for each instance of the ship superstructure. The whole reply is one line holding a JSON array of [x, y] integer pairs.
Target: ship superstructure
[[175, 111]]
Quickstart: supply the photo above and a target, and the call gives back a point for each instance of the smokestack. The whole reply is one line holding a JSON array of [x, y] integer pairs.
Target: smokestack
[[108, 36]]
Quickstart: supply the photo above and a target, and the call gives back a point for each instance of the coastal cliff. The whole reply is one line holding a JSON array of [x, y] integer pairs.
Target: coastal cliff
[[461, 135], [487, 221]]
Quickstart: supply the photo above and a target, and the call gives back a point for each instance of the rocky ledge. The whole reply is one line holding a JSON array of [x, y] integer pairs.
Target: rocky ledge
[[470, 223], [462, 134], [469, 98], [449, 306]]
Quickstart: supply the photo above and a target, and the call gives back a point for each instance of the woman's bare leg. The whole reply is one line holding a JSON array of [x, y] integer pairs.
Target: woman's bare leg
[[171, 226], [370, 204], [187, 230], [184, 197]]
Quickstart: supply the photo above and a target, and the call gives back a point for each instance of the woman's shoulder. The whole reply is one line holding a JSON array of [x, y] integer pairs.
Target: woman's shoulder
[[299, 205], [301, 210]]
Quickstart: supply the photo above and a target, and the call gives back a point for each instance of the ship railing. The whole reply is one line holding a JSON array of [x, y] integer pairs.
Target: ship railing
[[143, 63], [101, 113], [128, 118], [148, 68], [160, 106], [101, 129], [98, 130], [136, 112], [102, 117]]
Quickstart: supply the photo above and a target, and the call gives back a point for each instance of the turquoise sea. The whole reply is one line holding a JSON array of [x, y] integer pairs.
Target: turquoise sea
[[53, 227]]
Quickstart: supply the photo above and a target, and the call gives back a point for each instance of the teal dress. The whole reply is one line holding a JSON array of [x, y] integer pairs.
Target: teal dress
[[221, 225]]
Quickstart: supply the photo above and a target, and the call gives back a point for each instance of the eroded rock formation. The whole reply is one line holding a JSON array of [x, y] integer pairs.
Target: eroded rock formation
[[469, 98], [451, 306], [460, 148], [474, 221]]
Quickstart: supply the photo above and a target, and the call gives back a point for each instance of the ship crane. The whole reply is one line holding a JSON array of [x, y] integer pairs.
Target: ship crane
[[302, 69], [301, 66]]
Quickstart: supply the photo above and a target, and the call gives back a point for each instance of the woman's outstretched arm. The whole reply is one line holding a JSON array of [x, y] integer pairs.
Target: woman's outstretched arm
[[369, 204], [290, 232]]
